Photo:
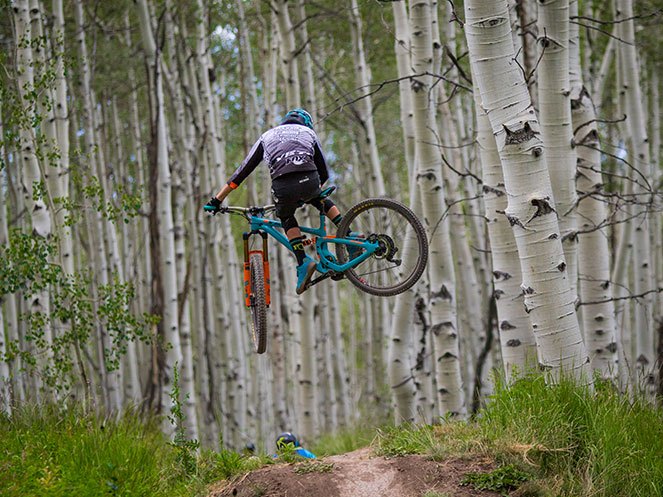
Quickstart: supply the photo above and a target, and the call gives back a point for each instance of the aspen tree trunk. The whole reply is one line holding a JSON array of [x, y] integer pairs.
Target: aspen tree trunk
[[401, 379], [593, 248], [468, 291], [526, 11], [399, 361], [5, 380], [109, 378], [47, 146], [252, 129], [657, 176], [6, 400], [365, 105], [8, 302], [598, 83], [290, 67], [111, 245], [61, 114], [401, 48], [339, 361], [531, 209], [376, 183], [555, 120], [515, 331], [130, 365], [170, 326], [222, 253], [39, 214], [442, 302], [640, 159], [143, 264], [181, 165]]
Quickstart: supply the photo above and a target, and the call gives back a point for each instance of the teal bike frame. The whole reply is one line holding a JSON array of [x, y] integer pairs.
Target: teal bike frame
[[327, 264]]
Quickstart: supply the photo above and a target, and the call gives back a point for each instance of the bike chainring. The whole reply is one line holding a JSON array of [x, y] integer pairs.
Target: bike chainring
[[386, 247]]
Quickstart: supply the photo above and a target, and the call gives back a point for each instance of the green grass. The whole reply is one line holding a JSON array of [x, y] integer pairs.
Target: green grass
[[54, 453], [600, 443], [573, 441], [343, 441], [502, 480]]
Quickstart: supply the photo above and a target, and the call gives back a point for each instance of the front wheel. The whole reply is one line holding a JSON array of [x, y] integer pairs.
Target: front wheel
[[403, 247], [258, 304]]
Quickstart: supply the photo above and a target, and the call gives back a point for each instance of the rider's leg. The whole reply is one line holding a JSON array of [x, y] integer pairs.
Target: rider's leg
[[329, 209], [305, 265]]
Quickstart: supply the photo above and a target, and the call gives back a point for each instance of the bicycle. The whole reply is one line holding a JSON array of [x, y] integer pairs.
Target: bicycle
[[386, 236]]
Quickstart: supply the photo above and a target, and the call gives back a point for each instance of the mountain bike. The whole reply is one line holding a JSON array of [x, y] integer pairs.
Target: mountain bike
[[384, 252]]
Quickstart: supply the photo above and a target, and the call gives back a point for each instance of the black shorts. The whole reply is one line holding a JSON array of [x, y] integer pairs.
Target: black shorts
[[292, 190]]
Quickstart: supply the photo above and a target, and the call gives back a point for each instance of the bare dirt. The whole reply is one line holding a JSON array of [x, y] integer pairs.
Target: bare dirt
[[358, 474]]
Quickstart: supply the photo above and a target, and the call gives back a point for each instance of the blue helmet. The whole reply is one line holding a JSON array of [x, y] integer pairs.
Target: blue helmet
[[285, 439], [298, 116]]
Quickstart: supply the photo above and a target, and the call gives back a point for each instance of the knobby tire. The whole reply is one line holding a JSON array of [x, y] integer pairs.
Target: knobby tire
[[258, 304], [375, 207]]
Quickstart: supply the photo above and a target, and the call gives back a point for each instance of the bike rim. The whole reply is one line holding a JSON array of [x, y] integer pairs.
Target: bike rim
[[397, 261]]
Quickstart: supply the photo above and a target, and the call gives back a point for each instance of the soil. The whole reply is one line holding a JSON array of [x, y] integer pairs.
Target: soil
[[359, 474]]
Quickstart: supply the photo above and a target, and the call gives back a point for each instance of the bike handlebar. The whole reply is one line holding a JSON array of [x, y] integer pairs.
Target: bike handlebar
[[244, 211]]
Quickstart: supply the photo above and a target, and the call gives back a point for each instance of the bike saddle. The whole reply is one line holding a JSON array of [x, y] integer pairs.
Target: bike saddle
[[323, 194]]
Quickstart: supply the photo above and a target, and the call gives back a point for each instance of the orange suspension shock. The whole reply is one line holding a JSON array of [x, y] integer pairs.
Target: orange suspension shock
[[248, 291]]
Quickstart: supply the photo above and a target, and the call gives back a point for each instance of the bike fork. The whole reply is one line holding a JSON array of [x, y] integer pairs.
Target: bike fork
[[248, 291]]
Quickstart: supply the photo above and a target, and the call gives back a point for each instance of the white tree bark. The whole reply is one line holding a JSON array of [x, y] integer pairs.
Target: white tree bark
[[182, 164], [165, 213], [400, 345], [515, 331], [401, 48], [641, 160], [555, 120], [32, 176], [593, 247], [428, 169], [365, 105], [5, 370], [289, 64], [468, 290], [61, 114], [531, 208]]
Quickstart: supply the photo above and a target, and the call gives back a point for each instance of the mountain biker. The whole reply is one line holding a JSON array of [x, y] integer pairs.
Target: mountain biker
[[298, 169], [288, 441]]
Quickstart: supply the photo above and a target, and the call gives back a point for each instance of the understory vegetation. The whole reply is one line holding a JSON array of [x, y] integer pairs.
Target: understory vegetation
[[571, 440], [546, 441]]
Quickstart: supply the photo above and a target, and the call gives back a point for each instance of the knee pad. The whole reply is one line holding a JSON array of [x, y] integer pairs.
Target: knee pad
[[326, 205], [288, 223], [323, 205]]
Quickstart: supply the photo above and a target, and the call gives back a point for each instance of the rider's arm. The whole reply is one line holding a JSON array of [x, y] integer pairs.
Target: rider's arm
[[246, 167], [320, 163], [224, 192]]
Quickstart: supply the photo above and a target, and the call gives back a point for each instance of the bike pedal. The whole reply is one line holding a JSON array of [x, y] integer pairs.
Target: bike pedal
[[337, 276]]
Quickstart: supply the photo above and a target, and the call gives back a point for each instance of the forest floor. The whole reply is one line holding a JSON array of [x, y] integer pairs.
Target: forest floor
[[359, 474]]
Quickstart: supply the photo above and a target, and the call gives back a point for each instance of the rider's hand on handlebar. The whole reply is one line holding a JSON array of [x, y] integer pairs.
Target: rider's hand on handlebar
[[213, 206]]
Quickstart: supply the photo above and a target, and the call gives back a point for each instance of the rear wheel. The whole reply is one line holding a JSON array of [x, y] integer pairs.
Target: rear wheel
[[258, 304], [403, 247]]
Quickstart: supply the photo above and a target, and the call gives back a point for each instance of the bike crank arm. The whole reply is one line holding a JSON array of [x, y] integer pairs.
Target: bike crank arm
[[317, 280]]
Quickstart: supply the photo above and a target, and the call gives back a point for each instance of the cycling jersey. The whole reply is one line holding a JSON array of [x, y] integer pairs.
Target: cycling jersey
[[287, 148]]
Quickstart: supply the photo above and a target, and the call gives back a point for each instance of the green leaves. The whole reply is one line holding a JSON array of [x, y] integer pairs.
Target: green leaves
[[65, 311], [26, 265], [500, 480]]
